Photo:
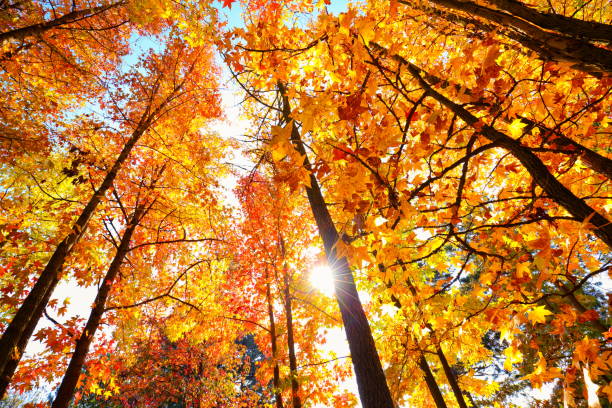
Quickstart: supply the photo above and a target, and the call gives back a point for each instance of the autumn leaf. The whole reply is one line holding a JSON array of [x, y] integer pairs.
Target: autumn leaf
[[516, 128], [538, 314]]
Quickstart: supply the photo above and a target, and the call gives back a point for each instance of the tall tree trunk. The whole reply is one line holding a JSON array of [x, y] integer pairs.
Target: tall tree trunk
[[548, 45], [575, 27], [11, 344], [276, 379], [19, 34], [9, 369], [430, 380], [67, 388], [371, 383], [295, 387]]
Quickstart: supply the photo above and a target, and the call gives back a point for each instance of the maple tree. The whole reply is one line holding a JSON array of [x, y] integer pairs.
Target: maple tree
[[451, 159]]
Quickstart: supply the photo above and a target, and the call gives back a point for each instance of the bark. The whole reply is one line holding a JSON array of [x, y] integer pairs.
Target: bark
[[30, 311], [295, 387], [19, 34], [448, 371], [576, 206], [371, 383], [276, 380], [67, 388], [590, 30], [549, 45], [451, 377]]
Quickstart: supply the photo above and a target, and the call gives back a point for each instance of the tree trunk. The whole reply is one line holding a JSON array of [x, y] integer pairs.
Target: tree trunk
[[295, 387], [11, 366], [67, 388], [276, 380], [575, 27], [28, 315], [548, 45], [371, 383], [19, 34]]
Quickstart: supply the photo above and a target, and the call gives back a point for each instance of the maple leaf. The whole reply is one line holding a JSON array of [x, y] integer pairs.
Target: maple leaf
[[227, 3], [516, 128], [538, 314], [513, 356], [542, 373]]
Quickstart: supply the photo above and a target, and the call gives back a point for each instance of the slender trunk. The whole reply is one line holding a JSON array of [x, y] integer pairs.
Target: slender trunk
[[450, 376], [276, 380], [371, 383], [575, 27], [532, 163], [431, 382], [68, 386], [19, 34], [30, 311], [295, 387], [448, 371]]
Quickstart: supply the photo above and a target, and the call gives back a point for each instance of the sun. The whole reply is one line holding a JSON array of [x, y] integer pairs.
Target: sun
[[322, 279]]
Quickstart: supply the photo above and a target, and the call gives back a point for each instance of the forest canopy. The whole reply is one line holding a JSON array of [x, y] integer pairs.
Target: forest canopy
[[425, 181]]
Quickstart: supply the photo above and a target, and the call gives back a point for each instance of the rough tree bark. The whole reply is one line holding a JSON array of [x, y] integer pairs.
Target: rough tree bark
[[295, 386]]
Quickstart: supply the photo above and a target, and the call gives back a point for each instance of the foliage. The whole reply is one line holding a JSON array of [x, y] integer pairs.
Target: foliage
[[455, 160]]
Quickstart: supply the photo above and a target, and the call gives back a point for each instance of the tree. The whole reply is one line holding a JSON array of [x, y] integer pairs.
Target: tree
[[166, 84]]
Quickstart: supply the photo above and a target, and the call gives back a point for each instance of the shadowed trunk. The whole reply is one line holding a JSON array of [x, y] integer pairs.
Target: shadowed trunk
[[295, 387], [371, 383], [276, 380], [19, 34], [67, 388], [575, 27], [548, 45], [11, 366]]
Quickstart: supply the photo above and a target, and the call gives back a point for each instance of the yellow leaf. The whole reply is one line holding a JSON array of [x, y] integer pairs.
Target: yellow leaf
[[513, 356], [538, 314], [516, 128]]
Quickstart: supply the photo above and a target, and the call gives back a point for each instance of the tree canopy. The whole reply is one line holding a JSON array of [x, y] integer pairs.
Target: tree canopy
[[447, 162]]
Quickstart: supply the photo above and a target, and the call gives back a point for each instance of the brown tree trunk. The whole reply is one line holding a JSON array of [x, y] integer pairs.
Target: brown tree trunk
[[28, 315], [371, 383], [548, 45], [448, 371], [276, 379], [67, 388], [575, 27], [9, 368], [19, 34], [295, 387]]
